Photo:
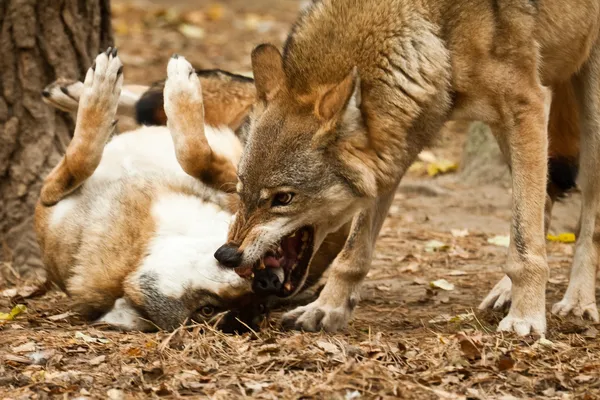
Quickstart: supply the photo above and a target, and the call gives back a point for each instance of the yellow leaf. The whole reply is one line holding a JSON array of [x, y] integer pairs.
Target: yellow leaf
[[215, 12], [18, 309], [417, 166], [121, 27], [562, 238], [441, 167]]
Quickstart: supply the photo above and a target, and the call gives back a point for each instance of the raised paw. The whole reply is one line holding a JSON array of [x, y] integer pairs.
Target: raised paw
[[102, 87], [63, 94], [499, 297], [183, 93], [315, 317], [579, 304]]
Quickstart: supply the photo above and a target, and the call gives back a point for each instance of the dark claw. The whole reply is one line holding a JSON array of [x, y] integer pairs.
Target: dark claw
[[107, 52], [114, 52], [64, 90], [94, 66], [175, 56], [46, 93], [114, 123], [120, 71]]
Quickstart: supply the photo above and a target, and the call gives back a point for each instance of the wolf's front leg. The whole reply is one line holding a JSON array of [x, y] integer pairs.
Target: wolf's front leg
[[332, 310], [526, 265], [95, 123]]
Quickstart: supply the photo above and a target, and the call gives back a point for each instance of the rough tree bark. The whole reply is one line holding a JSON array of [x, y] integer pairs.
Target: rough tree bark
[[482, 161], [40, 40]]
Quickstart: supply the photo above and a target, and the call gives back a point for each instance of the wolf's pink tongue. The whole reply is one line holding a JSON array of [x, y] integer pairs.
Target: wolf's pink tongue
[[271, 262]]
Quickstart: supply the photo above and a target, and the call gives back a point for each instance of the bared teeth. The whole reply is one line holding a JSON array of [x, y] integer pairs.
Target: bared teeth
[[288, 286], [304, 236]]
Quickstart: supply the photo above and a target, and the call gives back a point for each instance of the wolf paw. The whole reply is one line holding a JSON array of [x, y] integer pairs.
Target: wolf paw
[[523, 326], [577, 303], [63, 94], [315, 317], [182, 94], [101, 89], [499, 297]]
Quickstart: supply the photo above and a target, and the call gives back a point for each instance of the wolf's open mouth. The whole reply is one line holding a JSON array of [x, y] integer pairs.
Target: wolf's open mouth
[[292, 255]]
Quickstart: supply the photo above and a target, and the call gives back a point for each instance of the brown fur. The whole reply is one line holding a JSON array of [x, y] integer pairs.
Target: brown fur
[[227, 100], [364, 85]]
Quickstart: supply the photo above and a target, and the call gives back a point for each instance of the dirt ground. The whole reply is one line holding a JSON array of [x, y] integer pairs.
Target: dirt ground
[[407, 339]]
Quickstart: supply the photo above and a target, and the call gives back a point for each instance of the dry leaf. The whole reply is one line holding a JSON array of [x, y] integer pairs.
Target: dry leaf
[[591, 332], [500, 240], [459, 232], [97, 360], [442, 284], [468, 348], [23, 291], [16, 310], [115, 394], [505, 362], [435, 245], [90, 339], [328, 347], [427, 156], [191, 31], [451, 318], [355, 394], [60, 316], [412, 267], [195, 17], [562, 238], [417, 167], [215, 12], [24, 348], [441, 167]]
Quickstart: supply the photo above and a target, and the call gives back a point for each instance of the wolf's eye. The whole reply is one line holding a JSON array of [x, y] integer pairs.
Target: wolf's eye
[[207, 311], [282, 199]]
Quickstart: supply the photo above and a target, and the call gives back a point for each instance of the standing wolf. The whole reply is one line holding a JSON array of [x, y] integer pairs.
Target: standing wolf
[[363, 86]]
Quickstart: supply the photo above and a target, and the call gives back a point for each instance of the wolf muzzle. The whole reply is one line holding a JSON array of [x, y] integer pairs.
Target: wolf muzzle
[[229, 255]]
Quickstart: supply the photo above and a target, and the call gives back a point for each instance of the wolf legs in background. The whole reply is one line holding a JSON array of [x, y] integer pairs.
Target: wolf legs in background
[[580, 297]]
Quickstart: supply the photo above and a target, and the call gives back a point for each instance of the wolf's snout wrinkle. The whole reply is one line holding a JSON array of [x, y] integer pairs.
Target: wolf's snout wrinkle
[[229, 255]]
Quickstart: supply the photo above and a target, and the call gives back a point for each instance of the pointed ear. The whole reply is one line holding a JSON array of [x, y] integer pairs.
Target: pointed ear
[[335, 101], [267, 67]]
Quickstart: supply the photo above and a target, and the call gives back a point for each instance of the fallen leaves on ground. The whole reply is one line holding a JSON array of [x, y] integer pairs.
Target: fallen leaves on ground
[[500, 240], [562, 237], [16, 310]]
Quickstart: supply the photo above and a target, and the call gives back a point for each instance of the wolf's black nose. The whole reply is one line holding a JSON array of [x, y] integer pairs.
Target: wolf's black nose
[[266, 282], [229, 255]]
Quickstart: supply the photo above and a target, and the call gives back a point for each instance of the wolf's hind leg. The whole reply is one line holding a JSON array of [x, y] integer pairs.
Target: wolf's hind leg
[[580, 297], [95, 123], [65, 94]]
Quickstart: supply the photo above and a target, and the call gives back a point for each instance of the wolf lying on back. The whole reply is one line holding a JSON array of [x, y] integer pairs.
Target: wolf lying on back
[[364, 85], [129, 229]]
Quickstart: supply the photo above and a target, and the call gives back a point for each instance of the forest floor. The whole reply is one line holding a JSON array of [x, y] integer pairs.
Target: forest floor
[[408, 339]]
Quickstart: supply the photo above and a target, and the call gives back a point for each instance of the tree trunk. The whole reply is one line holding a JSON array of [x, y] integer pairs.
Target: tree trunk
[[40, 41], [482, 160]]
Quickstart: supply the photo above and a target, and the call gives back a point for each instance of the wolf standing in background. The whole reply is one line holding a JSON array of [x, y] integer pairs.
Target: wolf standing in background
[[363, 86]]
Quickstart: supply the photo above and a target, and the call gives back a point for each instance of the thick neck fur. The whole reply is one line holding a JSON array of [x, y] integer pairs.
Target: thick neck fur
[[404, 74]]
